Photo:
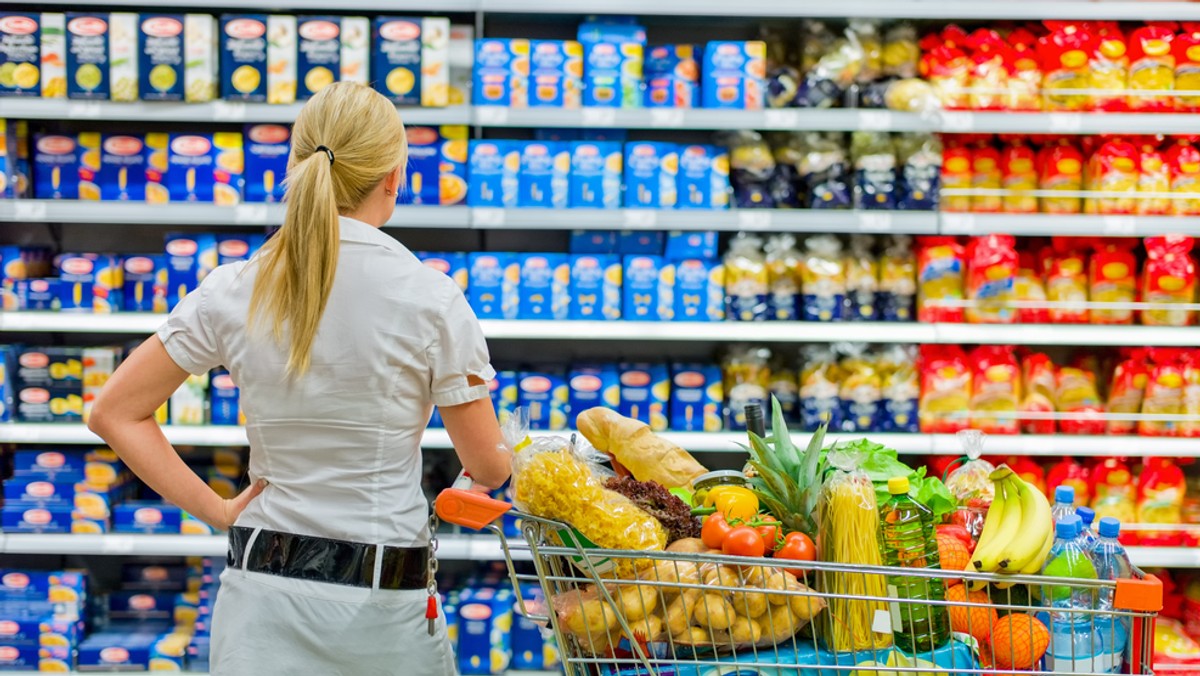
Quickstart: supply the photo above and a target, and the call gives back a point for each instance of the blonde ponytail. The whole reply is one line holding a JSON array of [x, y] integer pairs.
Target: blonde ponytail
[[366, 142]]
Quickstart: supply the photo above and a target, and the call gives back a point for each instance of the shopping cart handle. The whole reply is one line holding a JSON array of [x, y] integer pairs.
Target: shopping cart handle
[[468, 508]]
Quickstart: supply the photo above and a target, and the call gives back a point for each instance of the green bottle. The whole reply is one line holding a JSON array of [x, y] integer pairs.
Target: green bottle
[[907, 540]]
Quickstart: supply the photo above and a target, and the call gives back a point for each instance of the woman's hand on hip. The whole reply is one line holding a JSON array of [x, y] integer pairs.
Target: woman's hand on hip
[[232, 509]]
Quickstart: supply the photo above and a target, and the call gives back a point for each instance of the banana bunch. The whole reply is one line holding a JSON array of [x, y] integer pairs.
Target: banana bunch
[[1018, 530]]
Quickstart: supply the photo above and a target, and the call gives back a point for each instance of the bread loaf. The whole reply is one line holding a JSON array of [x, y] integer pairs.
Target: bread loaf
[[647, 456]]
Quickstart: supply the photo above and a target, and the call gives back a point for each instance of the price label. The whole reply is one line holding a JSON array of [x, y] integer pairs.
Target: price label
[[252, 214], [1119, 226], [599, 117], [875, 222], [666, 118], [491, 115], [116, 544], [957, 123], [751, 219], [84, 109], [959, 224], [1066, 123], [29, 210], [875, 120], [882, 622], [229, 111], [781, 119], [487, 218], [640, 219]]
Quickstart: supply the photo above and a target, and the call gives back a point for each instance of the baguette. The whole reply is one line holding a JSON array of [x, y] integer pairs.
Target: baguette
[[630, 442]]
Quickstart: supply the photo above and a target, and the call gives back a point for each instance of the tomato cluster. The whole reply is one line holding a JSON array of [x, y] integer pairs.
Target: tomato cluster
[[760, 537]]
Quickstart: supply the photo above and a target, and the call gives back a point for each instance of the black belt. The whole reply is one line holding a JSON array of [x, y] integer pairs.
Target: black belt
[[304, 557]]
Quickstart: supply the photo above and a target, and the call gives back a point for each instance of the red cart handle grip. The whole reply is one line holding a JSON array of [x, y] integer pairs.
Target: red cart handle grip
[[468, 508]]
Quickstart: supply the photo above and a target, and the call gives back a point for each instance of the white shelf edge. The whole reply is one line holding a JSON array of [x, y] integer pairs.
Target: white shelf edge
[[219, 111], [1164, 557], [242, 216]]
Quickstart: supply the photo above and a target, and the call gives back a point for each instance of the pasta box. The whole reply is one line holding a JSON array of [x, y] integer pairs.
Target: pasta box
[[145, 284], [543, 288], [56, 166], [113, 650], [592, 385], [544, 176], [146, 517], [243, 58], [141, 605], [37, 294], [650, 175], [703, 181], [282, 58], [503, 391], [237, 248], [453, 265], [645, 393], [201, 68], [69, 465], [189, 260], [682, 245], [38, 490], [356, 50], [595, 180], [54, 56], [640, 242], [266, 155], [697, 397], [595, 287], [14, 159], [122, 56], [153, 577], [161, 64], [436, 166], [545, 397], [733, 75], [56, 367], [501, 73], [122, 174], [593, 242], [672, 77], [484, 623], [45, 405], [200, 168], [223, 400], [648, 286], [494, 170], [21, 517], [493, 290], [556, 74], [319, 61], [87, 55], [20, 54], [612, 74], [699, 290], [410, 60]]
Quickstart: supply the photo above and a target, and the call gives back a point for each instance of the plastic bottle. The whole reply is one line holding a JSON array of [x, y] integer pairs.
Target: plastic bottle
[[1064, 503], [906, 540], [1074, 644], [1112, 563], [1087, 537]]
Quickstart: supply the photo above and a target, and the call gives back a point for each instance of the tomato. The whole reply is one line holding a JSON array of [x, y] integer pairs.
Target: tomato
[[797, 547], [770, 532], [744, 541], [714, 530]]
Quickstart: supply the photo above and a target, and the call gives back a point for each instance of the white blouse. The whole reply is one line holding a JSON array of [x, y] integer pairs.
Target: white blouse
[[341, 445]]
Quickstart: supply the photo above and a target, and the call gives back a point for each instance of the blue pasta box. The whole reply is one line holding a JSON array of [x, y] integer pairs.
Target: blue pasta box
[[436, 166], [7, 373], [484, 630], [14, 159], [90, 283], [699, 290], [89, 165], [596, 168], [503, 391], [494, 282], [223, 400], [233, 248], [593, 242], [113, 651], [612, 74], [545, 396], [50, 367], [595, 286], [697, 397], [556, 74], [161, 57], [544, 177], [648, 289], [69, 465], [692, 244], [452, 171], [146, 517], [145, 284], [453, 265], [153, 577], [87, 55], [141, 605], [20, 54], [24, 586], [703, 181], [189, 260], [19, 658], [319, 62], [650, 175], [494, 170], [640, 242], [243, 57], [122, 174], [645, 393], [733, 75], [37, 490], [23, 517], [46, 405], [37, 294], [531, 650], [672, 77], [266, 150], [543, 289], [56, 166], [501, 73], [410, 60], [592, 385], [200, 168]]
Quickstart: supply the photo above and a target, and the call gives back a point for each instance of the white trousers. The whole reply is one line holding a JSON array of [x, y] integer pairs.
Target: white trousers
[[265, 625]]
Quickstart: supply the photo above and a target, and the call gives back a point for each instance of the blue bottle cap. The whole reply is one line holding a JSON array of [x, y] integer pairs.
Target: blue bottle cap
[[1087, 514], [1064, 494], [1109, 527], [1067, 528]]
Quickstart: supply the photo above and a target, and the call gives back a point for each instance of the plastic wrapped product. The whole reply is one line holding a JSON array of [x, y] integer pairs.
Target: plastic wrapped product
[[747, 281]]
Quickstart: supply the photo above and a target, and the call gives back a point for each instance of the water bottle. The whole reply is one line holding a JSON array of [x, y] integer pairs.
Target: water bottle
[[1074, 645], [1112, 563], [1087, 537], [1064, 503], [907, 540]]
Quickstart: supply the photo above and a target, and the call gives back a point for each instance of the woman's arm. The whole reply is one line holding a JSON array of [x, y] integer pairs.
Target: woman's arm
[[123, 415], [477, 440]]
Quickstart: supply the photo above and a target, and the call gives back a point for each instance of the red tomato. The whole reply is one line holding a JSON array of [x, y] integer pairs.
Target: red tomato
[[744, 541], [714, 530], [797, 547], [770, 532]]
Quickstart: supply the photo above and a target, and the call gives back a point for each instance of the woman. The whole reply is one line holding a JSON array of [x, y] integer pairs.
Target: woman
[[341, 341]]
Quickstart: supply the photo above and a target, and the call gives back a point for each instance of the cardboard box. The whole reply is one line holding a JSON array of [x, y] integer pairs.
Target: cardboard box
[[123, 62], [590, 386], [648, 289], [38, 491], [44, 405], [645, 392], [697, 398], [122, 174], [161, 52], [189, 403], [56, 166], [454, 265], [243, 57], [593, 242], [462, 63], [145, 284], [699, 290], [595, 287], [545, 396], [189, 260], [544, 178], [202, 70], [88, 74], [556, 74], [494, 283], [89, 165], [54, 56], [49, 464], [356, 50], [494, 171], [200, 168], [146, 517], [14, 159], [650, 175], [612, 75], [20, 45], [640, 242], [543, 289], [19, 517], [52, 367], [501, 73], [436, 166], [703, 181], [282, 58], [672, 77], [319, 63], [733, 75], [99, 363], [266, 153], [484, 619], [596, 169], [692, 244], [224, 396], [503, 391], [409, 63]]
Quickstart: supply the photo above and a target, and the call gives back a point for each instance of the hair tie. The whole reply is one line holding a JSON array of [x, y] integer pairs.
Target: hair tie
[[328, 152]]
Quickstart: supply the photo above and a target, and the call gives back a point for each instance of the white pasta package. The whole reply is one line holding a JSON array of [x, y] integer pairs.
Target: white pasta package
[[281, 58], [200, 58], [123, 56], [356, 49], [54, 55]]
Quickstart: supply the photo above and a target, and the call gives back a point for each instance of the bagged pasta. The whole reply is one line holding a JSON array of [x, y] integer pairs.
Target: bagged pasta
[[861, 391], [946, 67], [1191, 395], [1152, 67], [1112, 278], [1169, 279], [970, 483], [1108, 67], [945, 389], [995, 390], [747, 381], [1154, 180], [784, 264], [1113, 168], [900, 50], [987, 178], [862, 279], [1067, 282], [1064, 58], [1038, 377], [1028, 286], [990, 69], [1186, 50], [823, 280], [1183, 166], [1164, 392], [1127, 390], [920, 158], [956, 174], [1019, 177], [941, 265], [896, 299], [1075, 392], [820, 387], [874, 170], [784, 387], [991, 279], [825, 172], [747, 280], [901, 390], [1025, 83], [1060, 168]]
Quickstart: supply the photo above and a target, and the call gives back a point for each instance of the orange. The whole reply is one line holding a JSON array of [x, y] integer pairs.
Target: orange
[[972, 613], [953, 555], [1019, 641]]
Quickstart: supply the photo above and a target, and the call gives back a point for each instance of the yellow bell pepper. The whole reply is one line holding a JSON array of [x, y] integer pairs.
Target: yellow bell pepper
[[735, 502]]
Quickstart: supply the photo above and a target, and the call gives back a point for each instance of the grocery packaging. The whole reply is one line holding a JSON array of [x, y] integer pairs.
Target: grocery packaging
[[941, 268], [823, 280], [747, 382], [747, 280], [946, 386], [637, 449]]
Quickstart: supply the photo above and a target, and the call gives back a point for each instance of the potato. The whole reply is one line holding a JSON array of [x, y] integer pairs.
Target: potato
[[754, 576], [589, 615], [745, 631], [723, 576], [679, 611], [776, 581], [646, 629], [600, 643], [692, 636], [779, 624], [687, 546], [806, 606], [635, 600], [672, 573], [713, 611], [750, 604]]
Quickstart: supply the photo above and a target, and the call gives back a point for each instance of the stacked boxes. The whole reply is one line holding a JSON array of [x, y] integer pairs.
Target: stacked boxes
[[437, 166], [410, 60], [41, 617]]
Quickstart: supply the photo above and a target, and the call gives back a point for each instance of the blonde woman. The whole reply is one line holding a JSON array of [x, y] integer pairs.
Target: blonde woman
[[341, 342]]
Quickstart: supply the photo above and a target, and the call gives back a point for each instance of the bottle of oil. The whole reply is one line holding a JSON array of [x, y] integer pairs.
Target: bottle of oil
[[906, 540]]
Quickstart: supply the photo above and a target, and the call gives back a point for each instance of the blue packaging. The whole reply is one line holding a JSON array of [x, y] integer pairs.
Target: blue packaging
[[484, 625], [37, 490], [160, 57], [319, 53], [494, 169], [503, 391], [545, 396], [556, 74], [20, 517], [189, 260], [613, 63], [648, 289], [38, 294], [651, 169], [593, 242], [544, 178], [122, 174], [20, 45], [145, 284], [233, 249], [703, 181], [682, 245], [672, 77], [501, 73], [49, 405], [200, 168], [51, 465], [453, 265], [87, 56], [495, 279], [595, 287], [50, 367], [243, 57], [530, 650], [146, 517], [396, 59], [112, 650], [596, 169], [8, 359], [697, 397], [141, 605], [198, 653], [640, 242], [591, 386], [733, 75], [699, 290], [645, 393], [266, 157], [24, 586], [223, 400], [427, 153], [14, 159], [545, 279], [55, 166], [19, 658], [77, 277]]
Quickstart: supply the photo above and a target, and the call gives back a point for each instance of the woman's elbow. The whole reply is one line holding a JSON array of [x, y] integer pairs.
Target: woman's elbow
[[98, 419], [495, 473]]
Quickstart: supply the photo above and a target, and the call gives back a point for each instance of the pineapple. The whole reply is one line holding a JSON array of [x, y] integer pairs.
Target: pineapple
[[785, 478]]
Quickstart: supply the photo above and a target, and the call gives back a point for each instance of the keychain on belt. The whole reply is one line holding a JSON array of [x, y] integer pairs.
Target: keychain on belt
[[431, 567]]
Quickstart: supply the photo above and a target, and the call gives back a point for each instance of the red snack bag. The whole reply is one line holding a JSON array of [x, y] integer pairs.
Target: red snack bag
[[1070, 472], [945, 389], [1029, 287], [1183, 164], [1114, 167], [1064, 58], [1061, 168], [1066, 282], [995, 389], [1038, 376], [991, 279], [1186, 50], [1161, 487], [990, 63], [940, 269], [956, 173], [1191, 395], [1164, 392], [1152, 68], [1112, 278], [1019, 177], [1108, 67], [1027, 469], [1025, 81], [948, 72], [1155, 178], [1126, 390], [1114, 492], [1169, 278], [986, 175], [1075, 393]]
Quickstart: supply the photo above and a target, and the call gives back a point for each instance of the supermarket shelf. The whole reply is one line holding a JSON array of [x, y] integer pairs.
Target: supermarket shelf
[[779, 119], [771, 332], [215, 111], [1066, 334], [757, 220], [1164, 557], [1038, 225], [239, 216], [200, 435], [1065, 123]]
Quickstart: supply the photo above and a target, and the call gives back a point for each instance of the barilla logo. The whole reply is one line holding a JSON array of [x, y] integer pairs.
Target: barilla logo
[[421, 136], [486, 149], [39, 286], [34, 360], [587, 151], [162, 27], [493, 47], [245, 29], [56, 145], [689, 379], [9, 628], [14, 581], [191, 146], [223, 382], [123, 145], [635, 379], [586, 383], [147, 516], [37, 517], [268, 133], [604, 49], [535, 384], [142, 602], [439, 264], [50, 460], [233, 248], [401, 30], [641, 263], [17, 25], [88, 26], [139, 265], [536, 150], [9, 653], [319, 30], [644, 150], [659, 53], [154, 574], [728, 49], [535, 262], [487, 260], [35, 395], [493, 385], [695, 151], [39, 489], [587, 262], [547, 48], [182, 247], [475, 611], [114, 655], [77, 265]]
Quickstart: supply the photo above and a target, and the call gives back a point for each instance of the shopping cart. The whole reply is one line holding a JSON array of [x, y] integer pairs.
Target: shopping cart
[[755, 624]]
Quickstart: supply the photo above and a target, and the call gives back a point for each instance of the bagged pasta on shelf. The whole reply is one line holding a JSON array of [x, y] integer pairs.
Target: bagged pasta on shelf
[[862, 279], [1028, 287], [1154, 179], [1186, 51], [825, 172], [941, 266], [1127, 390], [1038, 395], [1061, 169], [823, 280], [991, 279], [946, 68], [1066, 281], [784, 265], [1113, 169], [995, 389], [874, 170], [1190, 426], [900, 391], [917, 184], [1108, 67], [1152, 67], [784, 387], [747, 381], [1183, 165], [1112, 278], [896, 299], [956, 174], [1075, 393], [1018, 177], [751, 165], [1064, 58], [747, 280], [1025, 82], [838, 66], [786, 187], [820, 388], [991, 66], [1164, 392], [986, 178], [861, 392], [946, 386], [1169, 278]]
